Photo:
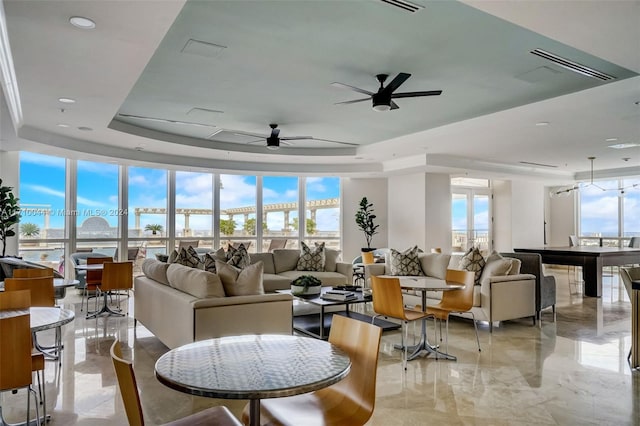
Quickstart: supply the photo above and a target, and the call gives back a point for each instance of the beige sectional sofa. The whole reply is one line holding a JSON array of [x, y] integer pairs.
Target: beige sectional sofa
[[497, 298], [181, 305], [280, 269]]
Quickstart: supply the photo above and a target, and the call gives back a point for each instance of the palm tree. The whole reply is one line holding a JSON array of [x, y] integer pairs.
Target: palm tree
[[227, 226], [29, 230], [154, 228]]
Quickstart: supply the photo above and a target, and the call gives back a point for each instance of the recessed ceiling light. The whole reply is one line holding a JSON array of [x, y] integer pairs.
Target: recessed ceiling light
[[542, 123], [63, 125], [67, 100], [624, 145], [611, 140], [82, 22], [85, 129]]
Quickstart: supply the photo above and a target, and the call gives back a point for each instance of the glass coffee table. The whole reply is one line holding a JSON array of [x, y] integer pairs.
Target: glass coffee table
[[318, 325]]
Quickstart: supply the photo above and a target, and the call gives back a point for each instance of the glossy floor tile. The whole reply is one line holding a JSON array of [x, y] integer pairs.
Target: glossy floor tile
[[570, 372]]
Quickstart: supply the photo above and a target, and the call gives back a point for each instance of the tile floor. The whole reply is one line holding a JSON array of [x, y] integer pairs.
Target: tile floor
[[571, 372]]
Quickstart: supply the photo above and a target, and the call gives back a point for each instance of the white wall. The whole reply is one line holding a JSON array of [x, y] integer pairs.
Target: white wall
[[501, 208], [407, 211], [562, 219], [10, 175], [438, 211], [353, 189], [518, 214]]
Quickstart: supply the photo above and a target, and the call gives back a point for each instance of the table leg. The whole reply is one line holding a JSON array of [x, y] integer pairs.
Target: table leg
[[254, 412], [592, 275], [321, 322]]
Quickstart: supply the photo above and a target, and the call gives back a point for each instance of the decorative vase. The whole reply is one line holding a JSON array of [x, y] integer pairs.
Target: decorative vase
[[367, 257], [302, 291]]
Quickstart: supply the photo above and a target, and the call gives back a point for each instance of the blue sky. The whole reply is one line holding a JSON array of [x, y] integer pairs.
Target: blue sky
[[43, 182]]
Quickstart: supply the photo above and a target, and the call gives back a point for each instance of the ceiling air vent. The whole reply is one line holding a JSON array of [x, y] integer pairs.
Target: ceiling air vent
[[573, 66], [404, 5]]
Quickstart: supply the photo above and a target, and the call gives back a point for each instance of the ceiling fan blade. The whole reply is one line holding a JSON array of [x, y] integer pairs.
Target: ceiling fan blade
[[394, 105], [165, 120], [256, 141], [356, 89], [296, 138], [352, 102], [241, 133], [396, 82], [416, 94], [338, 142]]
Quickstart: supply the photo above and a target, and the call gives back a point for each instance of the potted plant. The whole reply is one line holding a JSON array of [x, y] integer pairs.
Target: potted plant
[[364, 220], [9, 214], [154, 228], [306, 286]]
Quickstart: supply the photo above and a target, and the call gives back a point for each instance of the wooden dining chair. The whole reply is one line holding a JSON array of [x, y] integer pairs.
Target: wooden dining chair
[[458, 301], [93, 279], [117, 276], [388, 302], [33, 273], [220, 415], [16, 358], [351, 401], [41, 288]]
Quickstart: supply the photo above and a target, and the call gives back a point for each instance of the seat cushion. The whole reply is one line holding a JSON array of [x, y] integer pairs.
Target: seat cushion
[[327, 278]]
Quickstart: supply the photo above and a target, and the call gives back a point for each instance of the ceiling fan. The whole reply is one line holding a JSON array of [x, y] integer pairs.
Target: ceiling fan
[[274, 140], [383, 98]]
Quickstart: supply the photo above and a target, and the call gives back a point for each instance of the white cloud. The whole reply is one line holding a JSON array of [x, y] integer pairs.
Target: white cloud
[[139, 180], [42, 160], [237, 192], [60, 194]]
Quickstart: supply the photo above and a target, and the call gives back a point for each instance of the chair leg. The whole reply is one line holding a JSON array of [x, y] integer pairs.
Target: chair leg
[[446, 342], [404, 346], [475, 326], [553, 309]]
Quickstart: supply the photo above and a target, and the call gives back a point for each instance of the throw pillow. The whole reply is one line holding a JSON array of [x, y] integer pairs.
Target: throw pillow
[[474, 262], [311, 260], [172, 257], [241, 282], [198, 283], [435, 264], [155, 270], [188, 257], [209, 263], [239, 257], [406, 262], [496, 268]]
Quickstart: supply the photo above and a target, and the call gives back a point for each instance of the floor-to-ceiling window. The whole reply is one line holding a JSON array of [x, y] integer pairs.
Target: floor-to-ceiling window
[[42, 194], [98, 215], [322, 211], [238, 208], [609, 212], [470, 214], [279, 211], [147, 209], [194, 208], [105, 207]]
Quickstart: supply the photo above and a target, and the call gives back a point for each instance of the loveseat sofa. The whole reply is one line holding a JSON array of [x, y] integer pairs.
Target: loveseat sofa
[[181, 305], [280, 269], [497, 297]]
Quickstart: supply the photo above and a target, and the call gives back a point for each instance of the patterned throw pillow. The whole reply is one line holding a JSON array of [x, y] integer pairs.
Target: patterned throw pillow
[[311, 260], [406, 262], [474, 262], [209, 263], [188, 257], [238, 257]]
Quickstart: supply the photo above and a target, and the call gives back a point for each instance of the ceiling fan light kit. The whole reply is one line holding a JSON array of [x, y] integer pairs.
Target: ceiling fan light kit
[[382, 100]]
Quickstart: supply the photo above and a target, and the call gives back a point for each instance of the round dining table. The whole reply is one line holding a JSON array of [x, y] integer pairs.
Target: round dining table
[[253, 367]]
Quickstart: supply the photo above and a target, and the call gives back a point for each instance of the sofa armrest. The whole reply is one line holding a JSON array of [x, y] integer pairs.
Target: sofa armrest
[[509, 297], [240, 300], [345, 269], [373, 269]]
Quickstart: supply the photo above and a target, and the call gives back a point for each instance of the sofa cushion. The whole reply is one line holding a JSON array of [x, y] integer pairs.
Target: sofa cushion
[[311, 259], [241, 282], [196, 282], [496, 268], [474, 262], [515, 263], [406, 262], [155, 270], [435, 264], [267, 260], [173, 256], [273, 282], [285, 259], [238, 257], [331, 258]]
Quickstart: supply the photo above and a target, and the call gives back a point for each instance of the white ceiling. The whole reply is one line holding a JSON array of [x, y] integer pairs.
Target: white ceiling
[[280, 59]]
